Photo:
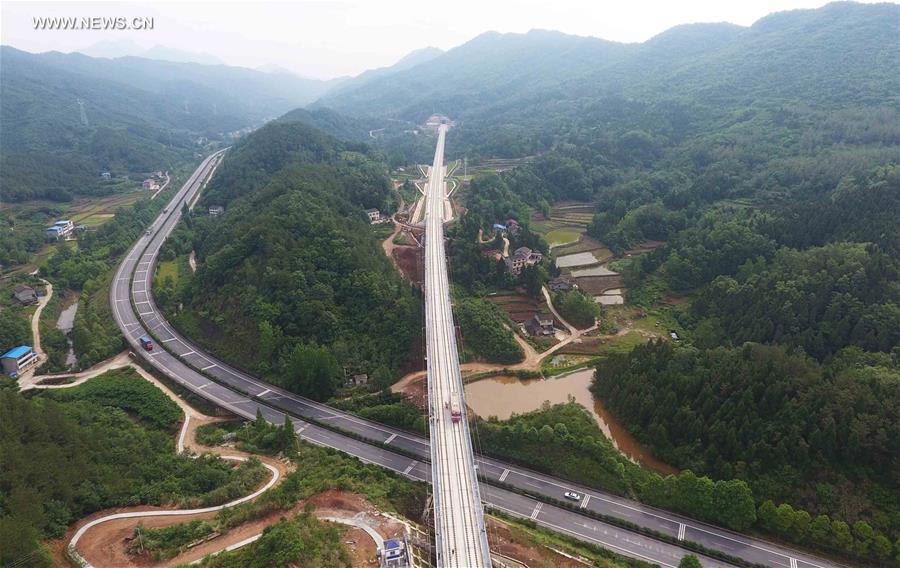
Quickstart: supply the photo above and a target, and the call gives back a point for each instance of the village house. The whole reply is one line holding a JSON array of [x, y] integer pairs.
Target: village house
[[60, 229], [522, 257], [374, 215], [540, 325], [18, 360], [561, 284], [216, 210], [25, 295]]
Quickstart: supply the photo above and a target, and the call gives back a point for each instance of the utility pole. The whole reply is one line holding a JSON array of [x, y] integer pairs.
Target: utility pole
[[84, 119]]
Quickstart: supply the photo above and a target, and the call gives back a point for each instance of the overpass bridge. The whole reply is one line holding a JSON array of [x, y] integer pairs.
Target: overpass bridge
[[460, 535]]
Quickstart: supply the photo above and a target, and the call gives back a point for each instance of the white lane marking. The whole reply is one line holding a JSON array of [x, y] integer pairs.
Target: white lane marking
[[558, 528], [504, 474], [584, 501], [264, 393], [537, 509], [409, 467], [208, 367], [750, 544], [681, 529], [168, 340], [145, 313], [188, 353], [390, 438], [793, 563]]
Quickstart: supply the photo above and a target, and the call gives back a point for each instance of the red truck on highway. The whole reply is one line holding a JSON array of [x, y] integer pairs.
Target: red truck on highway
[[146, 343], [455, 412]]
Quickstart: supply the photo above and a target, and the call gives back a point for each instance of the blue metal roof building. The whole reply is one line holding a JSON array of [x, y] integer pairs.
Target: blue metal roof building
[[16, 352], [18, 359]]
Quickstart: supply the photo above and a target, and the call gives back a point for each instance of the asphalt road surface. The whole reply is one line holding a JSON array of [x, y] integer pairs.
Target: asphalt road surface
[[136, 314]]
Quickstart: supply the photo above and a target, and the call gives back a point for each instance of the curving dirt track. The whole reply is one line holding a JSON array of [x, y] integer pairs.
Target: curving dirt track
[[99, 537]]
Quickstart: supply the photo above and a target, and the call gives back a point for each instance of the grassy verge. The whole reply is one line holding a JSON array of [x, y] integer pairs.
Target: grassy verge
[[598, 556]]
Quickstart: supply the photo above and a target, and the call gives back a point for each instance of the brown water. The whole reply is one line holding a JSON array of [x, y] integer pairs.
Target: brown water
[[504, 395]]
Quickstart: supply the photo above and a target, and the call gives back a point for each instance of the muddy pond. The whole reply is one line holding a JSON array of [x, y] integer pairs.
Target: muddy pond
[[504, 395]]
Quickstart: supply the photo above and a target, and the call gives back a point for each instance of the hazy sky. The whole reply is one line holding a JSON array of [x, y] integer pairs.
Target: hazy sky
[[330, 38]]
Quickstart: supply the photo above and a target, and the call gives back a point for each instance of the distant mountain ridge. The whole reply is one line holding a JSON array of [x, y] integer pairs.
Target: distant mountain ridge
[[408, 61], [112, 49], [843, 44]]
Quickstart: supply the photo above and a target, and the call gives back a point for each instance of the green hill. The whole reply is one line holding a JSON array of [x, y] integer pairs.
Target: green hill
[[142, 115]]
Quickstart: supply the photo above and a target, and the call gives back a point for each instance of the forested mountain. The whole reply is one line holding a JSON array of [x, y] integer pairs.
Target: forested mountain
[[823, 438], [291, 282], [410, 60], [333, 123], [845, 46], [142, 115]]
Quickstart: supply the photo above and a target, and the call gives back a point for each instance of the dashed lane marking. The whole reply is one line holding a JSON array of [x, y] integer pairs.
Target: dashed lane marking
[[390, 438], [504, 474], [585, 501], [537, 509]]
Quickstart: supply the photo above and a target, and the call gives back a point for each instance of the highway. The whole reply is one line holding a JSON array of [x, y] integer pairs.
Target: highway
[[136, 314], [460, 535]]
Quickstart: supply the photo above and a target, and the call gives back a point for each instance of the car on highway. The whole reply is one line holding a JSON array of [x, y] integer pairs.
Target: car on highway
[[572, 496]]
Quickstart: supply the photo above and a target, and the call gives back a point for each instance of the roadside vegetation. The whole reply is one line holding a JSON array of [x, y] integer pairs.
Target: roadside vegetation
[[385, 407], [291, 283], [565, 440], [301, 540], [71, 452], [822, 437], [316, 470]]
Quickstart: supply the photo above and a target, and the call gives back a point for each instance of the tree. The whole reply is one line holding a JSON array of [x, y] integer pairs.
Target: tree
[[734, 504], [689, 561], [577, 308], [288, 436], [843, 539], [312, 372], [14, 330]]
